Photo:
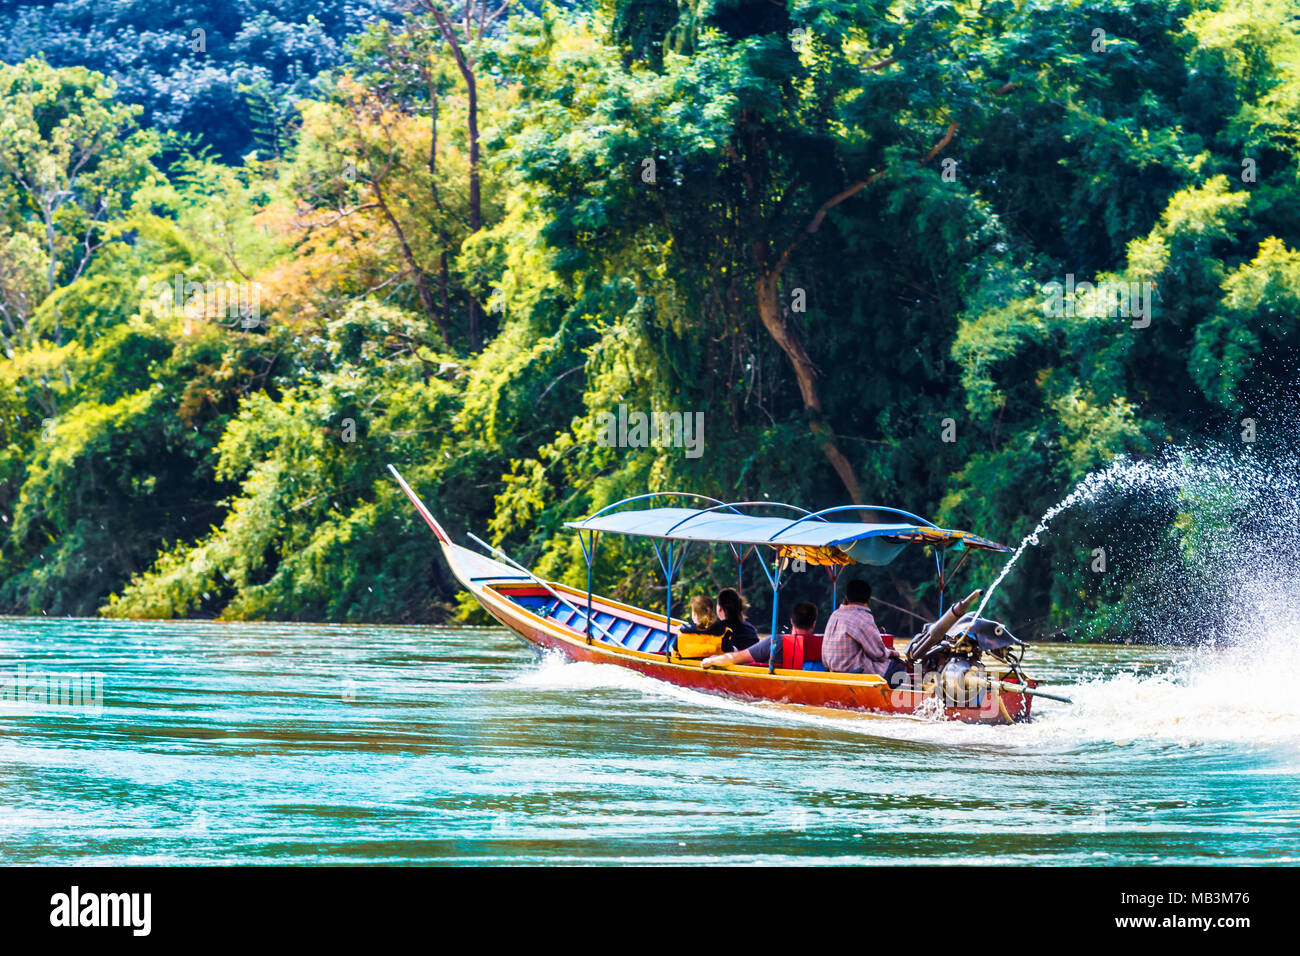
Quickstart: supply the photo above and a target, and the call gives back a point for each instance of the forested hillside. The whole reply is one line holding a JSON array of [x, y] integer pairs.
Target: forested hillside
[[831, 228], [222, 73]]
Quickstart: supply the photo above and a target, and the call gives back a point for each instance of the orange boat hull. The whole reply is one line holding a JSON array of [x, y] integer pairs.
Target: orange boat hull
[[504, 591], [850, 692]]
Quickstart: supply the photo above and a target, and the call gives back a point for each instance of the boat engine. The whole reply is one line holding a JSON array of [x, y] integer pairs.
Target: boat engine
[[961, 682], [951, 663]]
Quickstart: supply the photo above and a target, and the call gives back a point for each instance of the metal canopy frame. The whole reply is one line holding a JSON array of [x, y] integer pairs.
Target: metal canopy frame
[[589, 553], [839, 508], [670, 567], [733, 505], [660, 494], [672, 558], [738, 554]]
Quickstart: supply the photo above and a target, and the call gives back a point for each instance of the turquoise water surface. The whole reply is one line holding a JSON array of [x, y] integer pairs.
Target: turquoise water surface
[[286, 743]]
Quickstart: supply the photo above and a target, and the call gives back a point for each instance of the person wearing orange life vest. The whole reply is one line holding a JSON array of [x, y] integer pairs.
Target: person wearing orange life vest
[[803, 619]]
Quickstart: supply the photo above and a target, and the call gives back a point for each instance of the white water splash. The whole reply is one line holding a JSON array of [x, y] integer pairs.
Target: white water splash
[[1218, 704], [556, 672], [1201, 699], [1245, 517], [1086, 490]]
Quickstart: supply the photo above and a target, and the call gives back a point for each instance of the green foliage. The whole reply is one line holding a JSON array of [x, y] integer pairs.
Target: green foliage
[[896, 184], [222, 73], [70, 161]]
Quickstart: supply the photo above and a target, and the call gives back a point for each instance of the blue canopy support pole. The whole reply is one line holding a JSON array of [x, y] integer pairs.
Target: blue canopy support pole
[[766, 573], [668, 606], [774, 579], [775, 644], [588, 552], [664, 565], [834, 571], [740, 572], [940, 559], [670, 569]]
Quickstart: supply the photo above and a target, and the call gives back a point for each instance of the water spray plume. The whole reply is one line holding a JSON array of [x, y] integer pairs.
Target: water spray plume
[[1086, 490], [1218, 531]]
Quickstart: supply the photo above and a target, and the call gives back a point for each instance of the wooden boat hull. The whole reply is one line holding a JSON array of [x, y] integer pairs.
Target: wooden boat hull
[[554, 617], [500, 589]]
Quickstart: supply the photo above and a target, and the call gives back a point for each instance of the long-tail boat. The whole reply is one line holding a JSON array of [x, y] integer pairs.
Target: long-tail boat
[[583, 626]]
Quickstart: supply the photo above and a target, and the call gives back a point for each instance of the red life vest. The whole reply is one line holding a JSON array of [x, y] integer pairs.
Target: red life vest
[[792, 652], [798, 649]]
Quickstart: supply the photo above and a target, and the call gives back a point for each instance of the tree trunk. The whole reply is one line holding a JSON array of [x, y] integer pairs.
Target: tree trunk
[[475, 198], [443, 282], [437, 204], [433, 130], [475, 202], [475, 205], [767, 295], [768, 299], [417, 273]]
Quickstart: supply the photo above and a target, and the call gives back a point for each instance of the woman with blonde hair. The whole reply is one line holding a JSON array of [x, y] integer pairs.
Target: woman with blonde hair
[[704, 634]]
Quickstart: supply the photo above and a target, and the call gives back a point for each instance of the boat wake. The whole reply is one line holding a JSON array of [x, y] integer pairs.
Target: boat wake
[[1194, 705], [556, 672], [1200, 700]]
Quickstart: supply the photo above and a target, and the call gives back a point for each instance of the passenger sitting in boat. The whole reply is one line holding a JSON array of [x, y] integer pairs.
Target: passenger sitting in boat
[[852, 644], [740, 634], [803, 620], [708, 635], [703, 618]]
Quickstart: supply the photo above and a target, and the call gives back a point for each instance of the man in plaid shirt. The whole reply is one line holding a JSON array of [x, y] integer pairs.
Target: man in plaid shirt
[[852, 644]]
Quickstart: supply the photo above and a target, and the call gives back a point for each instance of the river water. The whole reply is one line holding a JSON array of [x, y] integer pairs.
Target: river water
[[284, 743]]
